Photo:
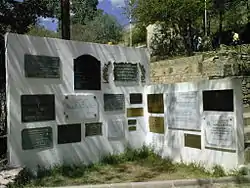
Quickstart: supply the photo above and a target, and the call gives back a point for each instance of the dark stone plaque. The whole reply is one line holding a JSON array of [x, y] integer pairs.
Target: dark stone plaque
[[114, 102], [126, 72], [132, 122], [192, 141], [135, 98], [70, 133], [87, 73], [155, 103], [37, 138], [37, 108], [38, 66], [93, 129]]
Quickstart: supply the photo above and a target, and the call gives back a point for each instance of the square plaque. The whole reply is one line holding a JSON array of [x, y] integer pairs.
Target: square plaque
[[40, 66], [37, 108], [155, 103], [135, 98], [37, 138], [116, 129], [79, 108], [126, 72], [114, 102], [93, 129], [69, 133], [156, 125]]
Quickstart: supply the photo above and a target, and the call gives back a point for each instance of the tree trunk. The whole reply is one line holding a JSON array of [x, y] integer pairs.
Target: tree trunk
[[220, 25], [65, 19]]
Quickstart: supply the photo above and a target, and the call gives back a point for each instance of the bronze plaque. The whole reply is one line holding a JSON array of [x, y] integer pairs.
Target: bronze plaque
[[156, 125], [246, 122], [69, 133], [134, 112], [93, 129], [132, 122], [132, 128], [37, 138], [192, 141], [155, 103]]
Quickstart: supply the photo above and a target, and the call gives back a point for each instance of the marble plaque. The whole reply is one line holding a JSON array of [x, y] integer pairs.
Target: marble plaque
[[155, 103], [183, 111], [135, 98], [37, 138], [114, 102], [69, 133], [126, 72], [39, 66], [192, 141], [78, 108], [93, 129], [156, 125], [219, 132], [223, 100], [116, 129], [37, 108], [134, 112]]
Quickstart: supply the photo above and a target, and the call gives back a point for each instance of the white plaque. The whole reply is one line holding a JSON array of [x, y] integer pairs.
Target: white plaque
[[81, 108], [184, 110], [116, 129], [219, 132]]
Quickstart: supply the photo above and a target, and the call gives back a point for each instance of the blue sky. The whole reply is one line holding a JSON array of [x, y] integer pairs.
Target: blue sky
[[113, 7]]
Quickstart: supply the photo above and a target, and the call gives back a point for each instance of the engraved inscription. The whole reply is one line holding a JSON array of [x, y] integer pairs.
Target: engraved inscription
[[156, 125], [114, 102], [38, 66], [116, 129], [135, 98], [134, 112], [37, 138], [70, 133], [37, 108], [132, 128], [126, 72], [192, 141], [93, 129], [132, 122]]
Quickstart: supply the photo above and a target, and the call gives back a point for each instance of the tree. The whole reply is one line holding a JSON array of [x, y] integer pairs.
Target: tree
[[103, 28], [42, 32]]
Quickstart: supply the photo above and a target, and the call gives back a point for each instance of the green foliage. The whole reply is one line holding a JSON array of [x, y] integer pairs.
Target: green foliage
[[139, 34], [103, 28], [42, 32]]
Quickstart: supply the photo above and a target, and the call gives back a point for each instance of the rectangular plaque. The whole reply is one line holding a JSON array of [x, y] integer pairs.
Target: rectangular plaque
[[223, 100], [69, 133], [132, 128], [184, 111], [134, 112], [156, 125], [126, 72], [114, 102], [93, 129], [37, 108], [219, 132], [37, 138], [155, 103], [39, 66], [132, 122], [80, 108], [135, 98], [116, 129], [192, 141]]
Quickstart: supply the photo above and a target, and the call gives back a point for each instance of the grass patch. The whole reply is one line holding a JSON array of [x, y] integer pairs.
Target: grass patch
[[133, 165]]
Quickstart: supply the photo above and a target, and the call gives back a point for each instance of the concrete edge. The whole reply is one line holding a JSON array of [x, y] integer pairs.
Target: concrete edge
[[171, 183]]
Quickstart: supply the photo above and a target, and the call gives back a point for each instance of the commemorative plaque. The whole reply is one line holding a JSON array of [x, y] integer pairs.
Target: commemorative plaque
[[114, 102], [132, 122], [135, 98], [192, 141], [93, 129], [69, 133], [223, 100], [155, 103], [87, 73], [37, 108], [38, 66], [37, 138], [126, 72], [156, 125], [116, 129], [132, 128], [134, 112]]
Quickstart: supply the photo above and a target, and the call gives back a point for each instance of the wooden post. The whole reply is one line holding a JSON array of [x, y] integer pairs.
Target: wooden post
[[65, 19]]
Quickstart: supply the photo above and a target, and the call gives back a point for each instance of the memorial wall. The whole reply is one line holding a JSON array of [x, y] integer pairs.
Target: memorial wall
[[71, 102]]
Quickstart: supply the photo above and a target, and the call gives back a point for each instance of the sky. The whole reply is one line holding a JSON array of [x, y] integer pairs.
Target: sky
[[113, 7]]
